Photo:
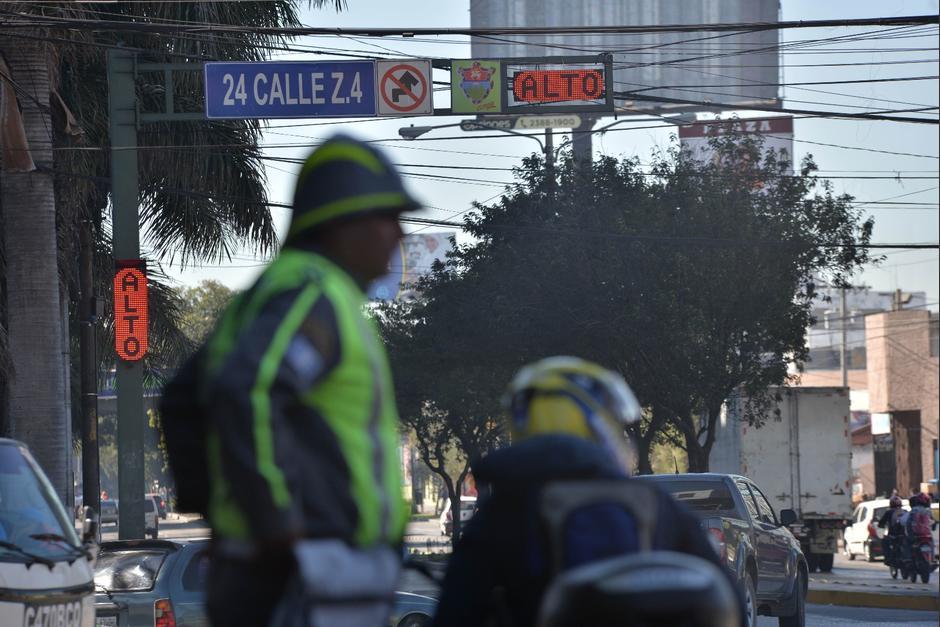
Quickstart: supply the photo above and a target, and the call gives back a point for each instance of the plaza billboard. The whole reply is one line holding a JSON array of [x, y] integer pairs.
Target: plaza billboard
[[776, 132], [729, 68], [414, 258]]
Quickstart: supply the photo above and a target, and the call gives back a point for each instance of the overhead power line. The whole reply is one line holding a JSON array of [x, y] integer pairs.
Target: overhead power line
[[26, 20], [728, 106]]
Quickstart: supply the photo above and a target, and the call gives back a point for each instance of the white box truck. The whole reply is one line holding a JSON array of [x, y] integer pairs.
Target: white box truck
[[802, 460]]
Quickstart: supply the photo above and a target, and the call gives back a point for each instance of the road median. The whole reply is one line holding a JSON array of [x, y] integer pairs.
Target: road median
[[896, 597]]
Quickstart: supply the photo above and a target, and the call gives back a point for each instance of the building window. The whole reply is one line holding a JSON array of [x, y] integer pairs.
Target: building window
[[858, 358]]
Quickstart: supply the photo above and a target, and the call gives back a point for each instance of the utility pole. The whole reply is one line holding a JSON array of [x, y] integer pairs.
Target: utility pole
[[843, 356], [581, 145], [550, 160], [87, 314], [122, 110]]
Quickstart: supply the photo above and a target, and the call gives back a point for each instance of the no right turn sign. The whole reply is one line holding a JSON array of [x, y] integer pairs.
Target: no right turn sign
[[404, 87]]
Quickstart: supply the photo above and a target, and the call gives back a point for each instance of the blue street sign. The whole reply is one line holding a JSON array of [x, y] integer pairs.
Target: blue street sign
[[342, 89]]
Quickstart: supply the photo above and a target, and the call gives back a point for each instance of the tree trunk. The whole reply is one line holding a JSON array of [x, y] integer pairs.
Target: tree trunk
[[687, 424], [34, 316], [643, 464], [698, 456]]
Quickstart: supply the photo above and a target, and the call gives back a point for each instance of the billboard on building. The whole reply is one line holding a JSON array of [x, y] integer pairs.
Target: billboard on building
[[777, 134], [414, 258], [720, 67]]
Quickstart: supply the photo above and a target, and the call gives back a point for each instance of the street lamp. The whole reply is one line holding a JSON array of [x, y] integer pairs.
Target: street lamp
[[414, 132]]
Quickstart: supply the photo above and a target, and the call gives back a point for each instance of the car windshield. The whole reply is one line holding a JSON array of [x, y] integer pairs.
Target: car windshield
[[711, 497], [129, 570], [31, 516], [879, 512]]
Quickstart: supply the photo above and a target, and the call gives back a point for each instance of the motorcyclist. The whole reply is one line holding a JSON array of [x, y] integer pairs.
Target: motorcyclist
[[917, 523], [891, 521], [566, 418], [919, 546]]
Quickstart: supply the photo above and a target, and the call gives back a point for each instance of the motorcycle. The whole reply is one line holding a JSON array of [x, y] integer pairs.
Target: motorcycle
[[891, 548], [922, 559]]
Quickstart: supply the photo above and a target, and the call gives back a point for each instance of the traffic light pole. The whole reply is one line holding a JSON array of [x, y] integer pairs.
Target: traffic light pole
[[122, 109]]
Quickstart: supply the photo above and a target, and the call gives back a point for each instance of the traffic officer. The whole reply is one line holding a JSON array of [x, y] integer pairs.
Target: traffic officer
[[305, 490], [566, 417]]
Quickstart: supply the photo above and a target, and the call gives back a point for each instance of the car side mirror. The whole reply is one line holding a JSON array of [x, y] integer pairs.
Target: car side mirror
[[787, 517], [90, 525]]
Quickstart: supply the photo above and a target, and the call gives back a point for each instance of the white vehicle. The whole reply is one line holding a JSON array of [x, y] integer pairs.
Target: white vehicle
[[802, 459], [863, 536], [151, 517], [468, 505], [46, 574]]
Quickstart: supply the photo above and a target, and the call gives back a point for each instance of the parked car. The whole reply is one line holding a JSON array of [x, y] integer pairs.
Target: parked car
[[468, 505], [862, 535], [151, 517], [412, 610], [752, 541], [161, 503], [139, 582], [109, 512]]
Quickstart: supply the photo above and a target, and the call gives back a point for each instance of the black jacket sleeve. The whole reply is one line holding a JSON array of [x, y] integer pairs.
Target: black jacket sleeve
[[470, 578], [284, 352]]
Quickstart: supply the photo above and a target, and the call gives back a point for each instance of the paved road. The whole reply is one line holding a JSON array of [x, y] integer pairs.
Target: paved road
[[834, 616]]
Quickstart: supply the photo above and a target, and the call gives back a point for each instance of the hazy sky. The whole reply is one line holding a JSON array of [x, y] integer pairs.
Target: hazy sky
[[908, 270]]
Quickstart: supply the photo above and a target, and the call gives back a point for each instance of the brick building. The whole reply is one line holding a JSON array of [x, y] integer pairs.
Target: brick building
[[892, 374], [904, 396]]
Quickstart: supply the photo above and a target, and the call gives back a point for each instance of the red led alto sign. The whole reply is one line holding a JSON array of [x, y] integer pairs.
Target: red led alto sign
[[573, 85], [131, 313]]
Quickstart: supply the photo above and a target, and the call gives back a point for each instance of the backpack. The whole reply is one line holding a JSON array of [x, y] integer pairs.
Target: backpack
[[920, 523], [588, 521], [184, 421]]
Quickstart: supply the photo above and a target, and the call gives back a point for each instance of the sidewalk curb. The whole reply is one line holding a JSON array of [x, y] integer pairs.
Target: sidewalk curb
[[872, 599]]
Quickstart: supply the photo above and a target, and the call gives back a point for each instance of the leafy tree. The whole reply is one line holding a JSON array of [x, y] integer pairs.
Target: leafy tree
[[201, 308], [451, 408], [202, 183], [691, 279]]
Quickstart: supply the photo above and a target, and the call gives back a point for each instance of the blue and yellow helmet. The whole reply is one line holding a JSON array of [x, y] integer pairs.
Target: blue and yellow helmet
[[571, 396]]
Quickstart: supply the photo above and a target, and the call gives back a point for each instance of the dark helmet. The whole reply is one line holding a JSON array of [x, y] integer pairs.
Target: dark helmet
[[344, 178], [895, 501]]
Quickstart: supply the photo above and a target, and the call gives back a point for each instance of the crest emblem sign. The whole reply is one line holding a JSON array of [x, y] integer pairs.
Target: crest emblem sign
[[477, 82], [476, 86]]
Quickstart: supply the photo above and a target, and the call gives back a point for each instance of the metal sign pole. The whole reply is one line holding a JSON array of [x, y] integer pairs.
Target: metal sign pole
[[122, 101], [582, 146]]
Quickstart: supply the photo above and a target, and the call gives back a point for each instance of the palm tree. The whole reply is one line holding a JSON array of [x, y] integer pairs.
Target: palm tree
[[198, 203], [34, 380]]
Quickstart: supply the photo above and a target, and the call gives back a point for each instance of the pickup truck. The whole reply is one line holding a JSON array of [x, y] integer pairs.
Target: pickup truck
[[753, 543]]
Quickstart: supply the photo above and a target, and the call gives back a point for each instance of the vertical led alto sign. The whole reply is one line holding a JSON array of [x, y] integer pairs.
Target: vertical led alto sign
[[131, 314]]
